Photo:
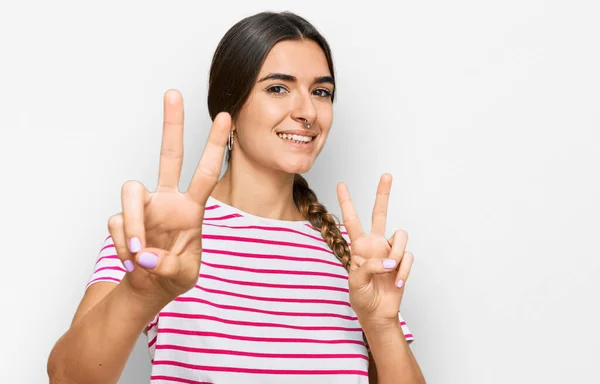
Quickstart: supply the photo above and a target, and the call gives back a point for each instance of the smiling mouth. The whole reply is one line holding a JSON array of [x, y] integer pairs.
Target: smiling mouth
[[298, 139]]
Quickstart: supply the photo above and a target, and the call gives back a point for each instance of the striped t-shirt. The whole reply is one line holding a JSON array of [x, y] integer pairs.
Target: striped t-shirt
[[271, 306]]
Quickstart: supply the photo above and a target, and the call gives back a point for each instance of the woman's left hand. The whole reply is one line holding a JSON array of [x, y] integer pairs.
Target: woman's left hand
[[379, 267]]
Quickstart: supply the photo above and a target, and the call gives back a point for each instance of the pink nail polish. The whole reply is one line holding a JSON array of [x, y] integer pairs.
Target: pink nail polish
[[135, 245], [399, 284], [129, 267], [389, 263]]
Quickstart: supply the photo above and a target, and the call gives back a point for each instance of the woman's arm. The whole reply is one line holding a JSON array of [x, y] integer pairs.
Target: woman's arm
[[391, 360], [96, 347]]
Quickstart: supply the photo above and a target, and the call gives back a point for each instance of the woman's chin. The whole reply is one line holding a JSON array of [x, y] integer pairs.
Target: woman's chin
[[297, 167]]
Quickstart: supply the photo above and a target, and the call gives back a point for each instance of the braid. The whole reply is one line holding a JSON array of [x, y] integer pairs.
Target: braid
[[316, 213]]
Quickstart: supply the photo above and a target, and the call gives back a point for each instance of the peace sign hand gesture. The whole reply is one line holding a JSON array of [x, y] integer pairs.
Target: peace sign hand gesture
[[379, 267], [158, 236]]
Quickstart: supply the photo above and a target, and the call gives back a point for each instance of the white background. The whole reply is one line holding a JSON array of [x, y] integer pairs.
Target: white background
[[485, 112]]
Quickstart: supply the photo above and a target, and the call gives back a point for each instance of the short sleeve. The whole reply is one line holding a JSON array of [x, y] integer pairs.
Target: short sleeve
[[108, 267], [407, 333]]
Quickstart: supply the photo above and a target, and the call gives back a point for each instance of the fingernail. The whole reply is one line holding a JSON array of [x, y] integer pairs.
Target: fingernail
[[400, 283], [389, 263], [148, 260], [135, 245], [128, 265]]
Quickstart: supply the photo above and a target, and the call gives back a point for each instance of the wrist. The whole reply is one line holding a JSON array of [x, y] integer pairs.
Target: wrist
[[382, 335], [145, 304], [378, 325]]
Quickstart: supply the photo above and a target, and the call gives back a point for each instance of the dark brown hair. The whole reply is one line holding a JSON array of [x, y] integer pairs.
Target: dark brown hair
[[235, 67]]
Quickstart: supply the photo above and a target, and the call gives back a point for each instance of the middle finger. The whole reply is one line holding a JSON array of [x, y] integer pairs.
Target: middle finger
[[380, 208], [171, 151]]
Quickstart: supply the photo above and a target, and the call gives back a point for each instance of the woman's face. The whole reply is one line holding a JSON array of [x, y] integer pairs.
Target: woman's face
[[293, 84]]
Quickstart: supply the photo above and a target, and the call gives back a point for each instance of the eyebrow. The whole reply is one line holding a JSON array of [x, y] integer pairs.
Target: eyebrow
[[292, 79]]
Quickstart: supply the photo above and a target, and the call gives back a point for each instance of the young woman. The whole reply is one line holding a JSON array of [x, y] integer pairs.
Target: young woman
[[247, 279]]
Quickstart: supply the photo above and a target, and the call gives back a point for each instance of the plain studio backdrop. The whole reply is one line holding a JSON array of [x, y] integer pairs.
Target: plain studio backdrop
[[486, 114]]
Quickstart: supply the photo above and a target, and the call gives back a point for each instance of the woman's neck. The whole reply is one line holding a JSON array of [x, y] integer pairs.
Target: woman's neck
[[260, 192]]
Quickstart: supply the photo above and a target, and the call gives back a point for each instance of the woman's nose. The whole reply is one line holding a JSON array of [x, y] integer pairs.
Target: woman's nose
[[304, 110]]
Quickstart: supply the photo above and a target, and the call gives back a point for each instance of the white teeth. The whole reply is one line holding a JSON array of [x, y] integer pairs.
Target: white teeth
[[294, 137]]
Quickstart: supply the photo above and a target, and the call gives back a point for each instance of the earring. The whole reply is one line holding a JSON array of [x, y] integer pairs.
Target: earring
[[230, 141]]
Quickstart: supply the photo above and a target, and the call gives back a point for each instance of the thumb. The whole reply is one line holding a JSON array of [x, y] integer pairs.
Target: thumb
[[362, 275], [158, 262]]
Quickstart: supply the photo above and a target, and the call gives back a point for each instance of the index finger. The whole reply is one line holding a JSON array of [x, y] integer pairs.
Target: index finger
[[209, 168], [349, 216]]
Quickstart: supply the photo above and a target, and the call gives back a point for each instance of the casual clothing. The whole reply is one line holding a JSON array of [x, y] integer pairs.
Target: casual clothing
[[271, 306]]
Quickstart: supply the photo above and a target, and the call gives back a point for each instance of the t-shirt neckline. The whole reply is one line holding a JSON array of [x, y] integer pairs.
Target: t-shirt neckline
[[263, 220]]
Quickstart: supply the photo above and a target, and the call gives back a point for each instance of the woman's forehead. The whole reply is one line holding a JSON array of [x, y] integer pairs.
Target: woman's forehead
[[302, 59]]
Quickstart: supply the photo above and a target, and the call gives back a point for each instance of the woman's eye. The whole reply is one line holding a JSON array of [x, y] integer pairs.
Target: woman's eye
[[322, 92], [276, 89]]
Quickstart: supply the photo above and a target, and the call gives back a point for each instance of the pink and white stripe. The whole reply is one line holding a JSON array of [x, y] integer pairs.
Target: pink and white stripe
[[271, 305]]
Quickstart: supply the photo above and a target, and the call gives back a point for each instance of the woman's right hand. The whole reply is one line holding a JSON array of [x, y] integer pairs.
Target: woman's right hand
[[158, 236]]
